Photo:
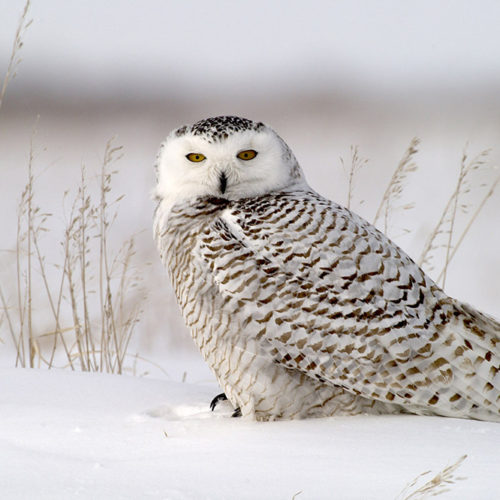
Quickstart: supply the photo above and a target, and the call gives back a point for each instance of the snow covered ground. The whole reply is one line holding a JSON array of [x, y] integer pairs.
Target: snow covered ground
[[66, 435]]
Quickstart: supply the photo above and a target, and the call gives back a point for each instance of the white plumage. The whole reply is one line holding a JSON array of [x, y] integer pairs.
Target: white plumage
[[300, 307]]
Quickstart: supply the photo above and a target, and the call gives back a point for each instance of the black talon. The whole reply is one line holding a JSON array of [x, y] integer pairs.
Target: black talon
[[220, 397]]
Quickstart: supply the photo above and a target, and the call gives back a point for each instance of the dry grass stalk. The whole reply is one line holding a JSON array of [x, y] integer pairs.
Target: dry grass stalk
[[77, 251], [395, 187], [357, 163], [116, 322], [442, 234], [94, 334], [465, 169], [469, 224], [15, 59], [55, 305], [22, 334], [436, 486]]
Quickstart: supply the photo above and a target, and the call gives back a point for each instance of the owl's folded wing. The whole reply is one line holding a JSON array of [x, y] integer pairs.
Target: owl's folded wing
[[332, 297]]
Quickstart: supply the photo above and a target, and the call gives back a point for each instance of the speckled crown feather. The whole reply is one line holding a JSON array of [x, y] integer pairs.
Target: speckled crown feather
[[219, 128]]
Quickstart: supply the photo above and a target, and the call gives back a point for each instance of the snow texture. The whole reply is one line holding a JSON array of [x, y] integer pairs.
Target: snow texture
[[67, 435]]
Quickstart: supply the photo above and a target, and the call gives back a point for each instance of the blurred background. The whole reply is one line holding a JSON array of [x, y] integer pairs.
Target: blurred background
[[326, 75]]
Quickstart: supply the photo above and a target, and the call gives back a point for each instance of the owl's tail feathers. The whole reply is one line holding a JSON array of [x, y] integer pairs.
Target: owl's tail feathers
[[482, 329], [477, 360]]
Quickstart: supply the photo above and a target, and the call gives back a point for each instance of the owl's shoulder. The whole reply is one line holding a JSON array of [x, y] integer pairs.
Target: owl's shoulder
[[300, 216]]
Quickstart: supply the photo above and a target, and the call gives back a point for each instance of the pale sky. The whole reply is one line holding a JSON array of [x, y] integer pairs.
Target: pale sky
[[222, 45]]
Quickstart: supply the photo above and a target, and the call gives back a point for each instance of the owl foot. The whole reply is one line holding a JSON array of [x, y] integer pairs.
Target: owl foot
[[222, 397]]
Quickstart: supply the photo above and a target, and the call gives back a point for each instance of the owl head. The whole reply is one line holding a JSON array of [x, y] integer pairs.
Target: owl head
[[224, 157]]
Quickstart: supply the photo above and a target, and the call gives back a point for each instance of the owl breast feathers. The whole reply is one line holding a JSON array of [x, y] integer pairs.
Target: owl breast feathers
[[302, 308]]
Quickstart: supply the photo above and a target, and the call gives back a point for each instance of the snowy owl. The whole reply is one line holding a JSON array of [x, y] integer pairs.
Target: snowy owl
[[300, 307]]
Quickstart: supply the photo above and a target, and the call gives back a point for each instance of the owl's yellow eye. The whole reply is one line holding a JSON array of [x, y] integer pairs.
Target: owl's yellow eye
[[196, 157], [248, 154]]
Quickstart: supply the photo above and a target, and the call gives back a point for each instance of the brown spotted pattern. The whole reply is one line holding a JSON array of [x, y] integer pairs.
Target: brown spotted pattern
[[301, 308]]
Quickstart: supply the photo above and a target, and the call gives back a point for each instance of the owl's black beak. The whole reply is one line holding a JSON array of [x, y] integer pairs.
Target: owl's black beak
[[222, 182]]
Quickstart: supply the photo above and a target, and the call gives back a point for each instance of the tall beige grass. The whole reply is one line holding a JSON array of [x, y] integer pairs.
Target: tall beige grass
[[356, 164], [444, 235], [449, 233], [395, 187], [94, 293], [15, 58]]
